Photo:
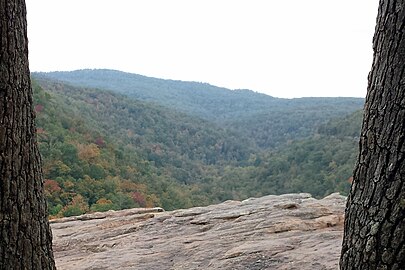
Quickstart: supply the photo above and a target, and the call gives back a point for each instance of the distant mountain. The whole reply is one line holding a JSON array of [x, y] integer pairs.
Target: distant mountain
[[200, 99], [104, 150], [267, 120]]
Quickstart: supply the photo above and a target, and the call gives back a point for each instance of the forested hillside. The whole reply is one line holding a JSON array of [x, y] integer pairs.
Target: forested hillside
[[103, 150], [93, 142], [267, 121]]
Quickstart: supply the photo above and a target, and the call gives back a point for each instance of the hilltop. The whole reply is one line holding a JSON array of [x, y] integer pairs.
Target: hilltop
[[268, 121], [106, 150]]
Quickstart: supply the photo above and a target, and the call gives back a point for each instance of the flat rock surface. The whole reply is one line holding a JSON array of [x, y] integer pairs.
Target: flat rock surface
[[292, 231]]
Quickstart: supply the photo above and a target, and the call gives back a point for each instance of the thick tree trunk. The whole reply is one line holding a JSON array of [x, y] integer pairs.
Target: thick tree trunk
[[25, 236], [374, 236]]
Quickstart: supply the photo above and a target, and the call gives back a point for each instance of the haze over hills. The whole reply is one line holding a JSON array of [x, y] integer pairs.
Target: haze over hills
[[199, 99], [139, 141], [267, 120]]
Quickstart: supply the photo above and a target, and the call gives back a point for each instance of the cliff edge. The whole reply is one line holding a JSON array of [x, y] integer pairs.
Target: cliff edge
[[291, 231]]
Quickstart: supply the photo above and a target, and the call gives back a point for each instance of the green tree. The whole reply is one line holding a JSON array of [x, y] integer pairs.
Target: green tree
[[77, 206]]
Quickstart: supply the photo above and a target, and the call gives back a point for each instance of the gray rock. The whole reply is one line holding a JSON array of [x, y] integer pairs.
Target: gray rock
[[292, 231]]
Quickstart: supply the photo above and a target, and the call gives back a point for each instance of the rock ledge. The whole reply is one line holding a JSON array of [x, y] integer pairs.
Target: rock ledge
[[291, 231]]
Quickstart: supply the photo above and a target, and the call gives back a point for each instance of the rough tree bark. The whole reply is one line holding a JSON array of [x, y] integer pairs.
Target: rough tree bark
[[25, 236], [374, 226]]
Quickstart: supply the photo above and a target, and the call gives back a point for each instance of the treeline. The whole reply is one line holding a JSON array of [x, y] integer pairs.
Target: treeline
[[267, 121], [103, 151], [88, 169]]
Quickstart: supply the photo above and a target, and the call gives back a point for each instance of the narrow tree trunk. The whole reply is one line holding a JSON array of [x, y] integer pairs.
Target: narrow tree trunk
[[25, 236], [374, 236]]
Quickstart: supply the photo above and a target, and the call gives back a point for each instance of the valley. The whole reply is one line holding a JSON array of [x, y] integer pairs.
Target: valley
[[112, 140]]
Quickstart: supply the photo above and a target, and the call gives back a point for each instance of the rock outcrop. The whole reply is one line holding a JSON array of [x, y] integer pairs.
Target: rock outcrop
[[292, 231]]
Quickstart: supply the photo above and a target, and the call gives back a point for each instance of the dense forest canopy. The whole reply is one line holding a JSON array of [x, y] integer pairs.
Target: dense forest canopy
[[110, 149], [267, 120]]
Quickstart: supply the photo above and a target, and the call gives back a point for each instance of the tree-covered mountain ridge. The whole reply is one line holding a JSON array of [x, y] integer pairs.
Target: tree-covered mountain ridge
[[192, 97], [104, 150], [267, 120]]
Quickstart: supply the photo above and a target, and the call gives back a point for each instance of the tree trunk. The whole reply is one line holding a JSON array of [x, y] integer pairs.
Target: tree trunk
[[374, 226], [25, 235]]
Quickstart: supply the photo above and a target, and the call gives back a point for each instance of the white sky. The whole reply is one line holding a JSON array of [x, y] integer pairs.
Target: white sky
[[291, 48]]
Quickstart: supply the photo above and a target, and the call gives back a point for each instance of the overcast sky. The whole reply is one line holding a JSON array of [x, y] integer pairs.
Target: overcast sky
[[291, 48]]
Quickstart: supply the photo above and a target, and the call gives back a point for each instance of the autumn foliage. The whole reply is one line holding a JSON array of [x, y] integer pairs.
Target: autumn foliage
[[103, 151]]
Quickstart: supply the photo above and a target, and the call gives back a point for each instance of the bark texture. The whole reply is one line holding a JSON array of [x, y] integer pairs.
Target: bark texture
[[374, 226], [25, 236]]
